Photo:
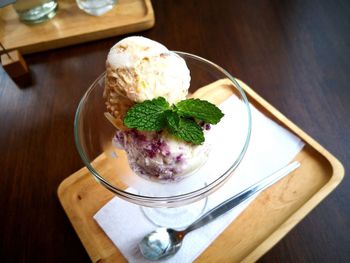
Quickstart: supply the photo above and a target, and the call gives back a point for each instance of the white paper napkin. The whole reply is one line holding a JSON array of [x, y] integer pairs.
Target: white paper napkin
[[271, 147]]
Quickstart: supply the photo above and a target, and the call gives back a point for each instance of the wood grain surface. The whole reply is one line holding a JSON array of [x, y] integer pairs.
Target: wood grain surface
[[295, 54], [72, 26]]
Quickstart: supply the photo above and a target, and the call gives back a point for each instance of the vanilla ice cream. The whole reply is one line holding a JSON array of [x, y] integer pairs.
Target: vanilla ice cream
[[139, 69]]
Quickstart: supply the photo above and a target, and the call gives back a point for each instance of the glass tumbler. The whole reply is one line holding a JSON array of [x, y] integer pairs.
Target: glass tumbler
[[96, 7], [35, 11]]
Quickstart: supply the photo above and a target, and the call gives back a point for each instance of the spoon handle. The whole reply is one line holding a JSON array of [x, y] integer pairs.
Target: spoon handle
[[241, 197]]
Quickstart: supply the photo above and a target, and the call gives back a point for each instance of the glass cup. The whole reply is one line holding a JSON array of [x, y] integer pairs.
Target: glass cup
[[35, 11], [96, 7], [177, 203]]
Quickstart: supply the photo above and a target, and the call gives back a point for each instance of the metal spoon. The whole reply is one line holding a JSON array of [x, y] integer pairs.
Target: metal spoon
[[165, 242]]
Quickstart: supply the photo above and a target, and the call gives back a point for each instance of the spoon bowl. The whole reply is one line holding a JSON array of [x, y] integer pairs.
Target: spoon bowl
[[161, 243]]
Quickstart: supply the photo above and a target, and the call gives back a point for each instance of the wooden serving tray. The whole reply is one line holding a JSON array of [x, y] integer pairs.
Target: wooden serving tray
[[71, 25], [267, 219]]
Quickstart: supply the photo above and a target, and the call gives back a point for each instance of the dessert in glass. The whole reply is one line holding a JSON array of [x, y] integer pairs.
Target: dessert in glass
[[148, 129]]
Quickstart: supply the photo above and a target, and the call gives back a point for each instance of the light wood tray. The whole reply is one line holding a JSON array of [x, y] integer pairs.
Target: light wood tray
[[71, 25], [267, 219]]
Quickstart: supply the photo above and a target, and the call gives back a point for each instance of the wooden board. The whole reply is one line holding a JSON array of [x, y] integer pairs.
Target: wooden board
[[267, 219], [71, 25]]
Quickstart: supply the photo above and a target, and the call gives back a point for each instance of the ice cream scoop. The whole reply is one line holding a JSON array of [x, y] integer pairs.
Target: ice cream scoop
[[160, 156], [139, 69]]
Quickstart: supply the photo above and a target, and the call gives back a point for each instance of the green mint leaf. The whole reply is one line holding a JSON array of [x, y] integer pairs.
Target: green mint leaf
[[199, 109], [173, 120], [179, 119], [189, 131], [148, 115]]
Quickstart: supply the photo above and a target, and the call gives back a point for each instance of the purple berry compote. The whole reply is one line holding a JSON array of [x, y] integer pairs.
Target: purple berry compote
[[160, 156]]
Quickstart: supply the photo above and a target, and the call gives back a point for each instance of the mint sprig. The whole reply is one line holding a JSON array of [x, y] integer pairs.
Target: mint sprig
[[180, 119]]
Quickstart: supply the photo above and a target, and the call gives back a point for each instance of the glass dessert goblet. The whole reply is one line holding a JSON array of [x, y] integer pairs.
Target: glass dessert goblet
[[173, 203]]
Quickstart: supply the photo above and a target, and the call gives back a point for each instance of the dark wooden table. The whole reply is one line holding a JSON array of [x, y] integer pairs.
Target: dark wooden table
[[296, 54]]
